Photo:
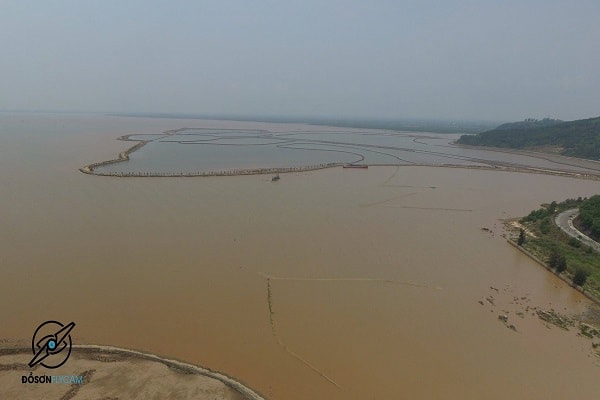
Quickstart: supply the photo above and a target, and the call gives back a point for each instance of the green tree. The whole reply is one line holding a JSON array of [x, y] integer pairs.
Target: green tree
[[589, 216], [521, 238], [580, 276], [561, 264], [545, 226], [553, 260]]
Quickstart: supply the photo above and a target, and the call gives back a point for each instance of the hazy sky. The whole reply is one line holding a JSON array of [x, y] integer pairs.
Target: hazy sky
[[495, 60]]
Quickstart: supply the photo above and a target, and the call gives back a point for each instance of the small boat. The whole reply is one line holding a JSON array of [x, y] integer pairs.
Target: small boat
[[275, 178], [356, 166]]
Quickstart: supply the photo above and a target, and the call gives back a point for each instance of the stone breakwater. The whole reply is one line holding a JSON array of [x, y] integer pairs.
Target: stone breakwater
[[124, 156], [233, 172]]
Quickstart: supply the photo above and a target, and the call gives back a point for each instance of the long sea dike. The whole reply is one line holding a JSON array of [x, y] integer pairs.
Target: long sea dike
[[124, 156]]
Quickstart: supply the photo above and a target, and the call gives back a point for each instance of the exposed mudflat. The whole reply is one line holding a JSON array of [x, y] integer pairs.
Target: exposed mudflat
[[110, 373]]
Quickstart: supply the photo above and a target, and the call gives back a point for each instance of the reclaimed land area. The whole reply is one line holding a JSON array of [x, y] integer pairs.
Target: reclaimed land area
[[124, 156], [92, 169]]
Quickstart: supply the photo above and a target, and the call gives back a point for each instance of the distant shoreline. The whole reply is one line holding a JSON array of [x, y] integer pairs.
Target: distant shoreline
[[406, 125]]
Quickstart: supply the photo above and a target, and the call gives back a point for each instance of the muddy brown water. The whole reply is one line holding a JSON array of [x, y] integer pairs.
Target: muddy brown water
[[374, 275]]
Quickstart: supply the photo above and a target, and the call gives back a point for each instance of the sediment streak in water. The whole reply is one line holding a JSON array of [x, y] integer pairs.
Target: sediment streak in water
[[273, 323]]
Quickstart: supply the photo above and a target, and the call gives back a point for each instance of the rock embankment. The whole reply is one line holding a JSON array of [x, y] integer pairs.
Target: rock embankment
[[256, 171], [92, 169]]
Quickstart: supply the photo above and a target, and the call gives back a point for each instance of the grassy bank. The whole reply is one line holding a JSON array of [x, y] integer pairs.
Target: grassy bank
[[549, 243]]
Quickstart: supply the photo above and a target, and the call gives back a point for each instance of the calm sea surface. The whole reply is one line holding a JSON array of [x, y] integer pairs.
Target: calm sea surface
[[331, 284]]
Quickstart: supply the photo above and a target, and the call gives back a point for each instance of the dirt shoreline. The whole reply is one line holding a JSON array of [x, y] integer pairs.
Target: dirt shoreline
[[544, 156], [112, 354]]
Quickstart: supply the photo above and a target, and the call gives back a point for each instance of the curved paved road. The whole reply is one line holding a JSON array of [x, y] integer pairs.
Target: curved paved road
[[564, 221]]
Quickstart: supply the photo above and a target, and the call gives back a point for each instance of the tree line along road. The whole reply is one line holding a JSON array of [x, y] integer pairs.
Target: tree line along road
[[564, 221]]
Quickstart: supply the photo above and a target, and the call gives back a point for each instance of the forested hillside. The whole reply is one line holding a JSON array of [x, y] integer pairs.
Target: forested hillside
[[580, 138]]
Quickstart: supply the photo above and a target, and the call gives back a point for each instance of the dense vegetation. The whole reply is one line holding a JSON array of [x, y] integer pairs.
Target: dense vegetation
[[562, 253], [589, 216], [580, 138], [529, 123]]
